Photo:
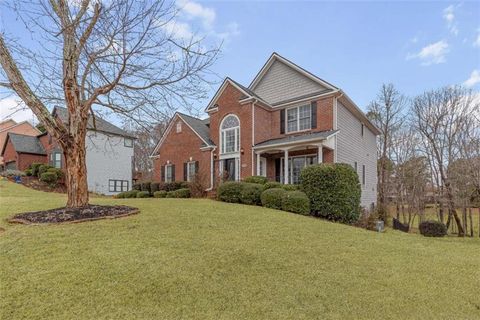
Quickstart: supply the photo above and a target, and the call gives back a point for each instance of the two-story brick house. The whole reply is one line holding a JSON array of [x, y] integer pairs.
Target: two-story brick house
[[285, 120]]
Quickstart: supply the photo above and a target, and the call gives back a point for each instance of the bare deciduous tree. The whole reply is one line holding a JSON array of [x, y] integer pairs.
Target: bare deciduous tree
[[444, 118], [387, 114], [100, 57]]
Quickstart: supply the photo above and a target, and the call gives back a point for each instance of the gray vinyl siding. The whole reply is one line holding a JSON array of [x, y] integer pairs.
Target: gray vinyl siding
[[351, 147], [282, 82]]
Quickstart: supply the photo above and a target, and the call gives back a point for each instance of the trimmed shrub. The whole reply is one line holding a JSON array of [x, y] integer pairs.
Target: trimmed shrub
[[171, 186], [272, 184], [290, 187], [154, 187], [230, 191], [433, 229], [49, 177], [296, 202], [334, 191], [34, 166], [57, 171], [250, 193], [42, 169], [256, 179], [170, 194], [28, 172], [160, 194], [146, 187], [137, 186], [130, 194], [143, 194], [181, 193], [272, 198]]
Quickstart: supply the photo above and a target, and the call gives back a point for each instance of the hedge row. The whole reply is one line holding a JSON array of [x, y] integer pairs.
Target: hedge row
[[179, 193], [152, 187], [256, 194]]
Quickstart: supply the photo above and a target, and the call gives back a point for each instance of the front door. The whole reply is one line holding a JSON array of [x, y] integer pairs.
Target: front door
[[230, 169]]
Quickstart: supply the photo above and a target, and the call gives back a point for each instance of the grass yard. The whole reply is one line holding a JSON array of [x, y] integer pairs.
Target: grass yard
[[201, 259]]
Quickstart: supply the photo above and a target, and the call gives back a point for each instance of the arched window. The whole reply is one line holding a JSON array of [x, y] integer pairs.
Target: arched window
[[230, 134]]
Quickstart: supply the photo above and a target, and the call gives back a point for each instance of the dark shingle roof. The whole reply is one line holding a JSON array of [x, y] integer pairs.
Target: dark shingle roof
[[26, 144], [250, 92], [289, 139], [199, 126], [100, 124]]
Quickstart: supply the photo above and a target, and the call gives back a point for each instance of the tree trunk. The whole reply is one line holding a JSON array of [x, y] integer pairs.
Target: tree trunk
[[76, 174], [471, 221], [452, 211]]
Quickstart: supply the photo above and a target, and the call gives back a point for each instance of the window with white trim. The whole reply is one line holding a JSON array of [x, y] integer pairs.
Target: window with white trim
[[117, 185], [191, 171], [179, 127], [56, 159], [127, 142], [169, 173], [299, 118], [230, 134]]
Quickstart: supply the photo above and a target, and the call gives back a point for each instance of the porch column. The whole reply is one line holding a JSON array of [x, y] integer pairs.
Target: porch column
[[320, 153], [285, 171], [258, 163]]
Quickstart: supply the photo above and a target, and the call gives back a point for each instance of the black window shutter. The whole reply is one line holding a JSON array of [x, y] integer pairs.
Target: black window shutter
[[277, 169], [282, 121], [173, 172], [197, 165], [313, 107], [162, 170], [184, 171]]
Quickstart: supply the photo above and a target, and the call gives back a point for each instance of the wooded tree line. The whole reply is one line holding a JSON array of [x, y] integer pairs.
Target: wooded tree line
[[429, 156]]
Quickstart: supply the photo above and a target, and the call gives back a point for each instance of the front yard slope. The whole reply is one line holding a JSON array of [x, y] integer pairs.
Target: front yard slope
[[201, 259]]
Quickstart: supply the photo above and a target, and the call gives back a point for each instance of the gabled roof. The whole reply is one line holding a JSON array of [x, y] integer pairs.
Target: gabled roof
[[247, 93], [274, 57], [199, 127], [98, 125], [24, 144]]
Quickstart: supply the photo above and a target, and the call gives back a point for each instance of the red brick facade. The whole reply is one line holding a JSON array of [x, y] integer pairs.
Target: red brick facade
[[178, 148]]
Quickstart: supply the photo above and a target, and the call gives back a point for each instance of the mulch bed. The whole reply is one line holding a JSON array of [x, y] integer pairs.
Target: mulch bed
[[74, 215]]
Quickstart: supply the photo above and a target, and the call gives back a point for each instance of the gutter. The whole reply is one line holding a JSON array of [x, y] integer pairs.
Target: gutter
[[212, 170]]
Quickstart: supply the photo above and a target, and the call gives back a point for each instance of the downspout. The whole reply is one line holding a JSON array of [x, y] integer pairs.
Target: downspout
[[253, 135]]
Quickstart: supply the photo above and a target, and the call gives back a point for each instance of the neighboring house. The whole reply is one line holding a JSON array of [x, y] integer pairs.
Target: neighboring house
[[285, 120], [109, 154], [23, 128], [20, 151]]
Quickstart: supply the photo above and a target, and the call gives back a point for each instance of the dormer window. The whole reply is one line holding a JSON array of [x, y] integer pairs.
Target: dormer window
[[179, 127], [230, 134], [299, 118]]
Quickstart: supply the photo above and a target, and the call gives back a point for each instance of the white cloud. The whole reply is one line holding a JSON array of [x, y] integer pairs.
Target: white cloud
[[473, 80], [11, 108], [178, 29], [432, 54], [194, 10], [449, 17]]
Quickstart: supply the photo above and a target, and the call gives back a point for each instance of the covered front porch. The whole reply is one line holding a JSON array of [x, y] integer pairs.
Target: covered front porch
[[283, 159]]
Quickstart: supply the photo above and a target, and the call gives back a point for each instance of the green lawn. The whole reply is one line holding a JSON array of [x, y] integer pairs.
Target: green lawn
[[201, 259]]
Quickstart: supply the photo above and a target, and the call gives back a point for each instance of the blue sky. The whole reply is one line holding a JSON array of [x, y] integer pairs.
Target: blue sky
[[357, 46]]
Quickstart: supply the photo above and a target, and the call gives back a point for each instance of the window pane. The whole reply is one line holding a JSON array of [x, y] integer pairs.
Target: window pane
[[230, 122], [191, 171], [230, 141], [305, 117], [292, 120]]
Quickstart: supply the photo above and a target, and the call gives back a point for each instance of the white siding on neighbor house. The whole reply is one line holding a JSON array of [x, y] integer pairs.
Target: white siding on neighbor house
[[352, 147], [281, 82], [107, 158]]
